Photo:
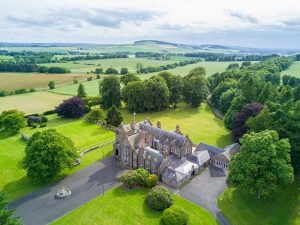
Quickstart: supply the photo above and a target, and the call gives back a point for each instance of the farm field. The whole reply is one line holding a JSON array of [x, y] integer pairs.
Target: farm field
[[283, 208], [14, 81], [210, 67], [83, 66], [91, 88], [13, 178], [113, 208], [293, 70], [36, 102], [199, 123]]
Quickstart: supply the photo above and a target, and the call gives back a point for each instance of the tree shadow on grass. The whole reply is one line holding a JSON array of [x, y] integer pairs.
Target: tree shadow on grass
[[281, 208]]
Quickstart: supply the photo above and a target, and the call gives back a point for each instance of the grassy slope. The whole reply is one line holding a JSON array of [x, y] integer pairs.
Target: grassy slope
[[13, 178], [200, 124], [14, 81], [283, 208], [36, 102], [119, 206], [293, 70]]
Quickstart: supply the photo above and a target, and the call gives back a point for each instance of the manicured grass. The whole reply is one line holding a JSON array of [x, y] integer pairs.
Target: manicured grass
[[283, 208], [14, 81], [293, 70], [199, 123], [13, 178], [122, 207], [36, 102]]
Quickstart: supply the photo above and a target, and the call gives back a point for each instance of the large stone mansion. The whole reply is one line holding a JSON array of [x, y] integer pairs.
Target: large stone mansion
[[170, 155]]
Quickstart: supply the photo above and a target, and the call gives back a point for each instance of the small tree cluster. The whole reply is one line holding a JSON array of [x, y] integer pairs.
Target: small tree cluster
[[175, 215], [51, 84], [159, 198]]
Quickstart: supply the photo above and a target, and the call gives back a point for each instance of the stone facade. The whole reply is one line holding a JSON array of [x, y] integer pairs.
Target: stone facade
[[170, 155]]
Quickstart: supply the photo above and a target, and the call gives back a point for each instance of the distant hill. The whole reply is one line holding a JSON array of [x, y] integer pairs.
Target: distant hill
[[157, 46]]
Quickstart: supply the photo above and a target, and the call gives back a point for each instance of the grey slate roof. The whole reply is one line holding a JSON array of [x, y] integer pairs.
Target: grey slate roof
[[164, 137], [231, 150], [173, 175], [199, 157], [212, 150], [153, 155]]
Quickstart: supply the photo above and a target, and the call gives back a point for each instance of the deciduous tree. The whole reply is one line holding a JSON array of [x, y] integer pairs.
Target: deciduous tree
[[110, 92]]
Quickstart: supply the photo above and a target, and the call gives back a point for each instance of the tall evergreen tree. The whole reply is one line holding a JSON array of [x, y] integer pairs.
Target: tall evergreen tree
[[113, 116], [81, 91]]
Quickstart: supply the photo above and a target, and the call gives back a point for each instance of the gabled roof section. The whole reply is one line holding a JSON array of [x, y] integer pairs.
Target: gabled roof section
[[212, 150], [164, 137], [199, 157], [231, 150], [153, 155]]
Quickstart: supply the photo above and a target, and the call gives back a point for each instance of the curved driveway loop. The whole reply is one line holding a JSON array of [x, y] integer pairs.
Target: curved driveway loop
[[205, 189], [42, 207]]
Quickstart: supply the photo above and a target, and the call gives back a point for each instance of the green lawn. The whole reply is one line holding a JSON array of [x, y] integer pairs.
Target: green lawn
[[199, 123], [122, 207], [293, 70], [283, 208], [36, 102], [13, 178]]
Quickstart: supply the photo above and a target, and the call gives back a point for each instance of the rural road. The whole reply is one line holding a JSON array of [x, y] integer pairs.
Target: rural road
[[41, 207], [205, 189]]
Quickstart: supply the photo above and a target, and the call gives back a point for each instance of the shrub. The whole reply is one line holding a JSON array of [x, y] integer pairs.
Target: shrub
[[95, 115], [43, 125], [32, 90], [151, 180], [20, 91], [49, 112], [89, 78], [44, 119], [135, 178], [175, 215], [159, 198], [98, 76], [34, 125], [51, 84], [75, 81]]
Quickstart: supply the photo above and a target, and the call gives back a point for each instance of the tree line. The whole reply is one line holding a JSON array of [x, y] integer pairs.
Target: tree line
[[262, 110], [29, 68], [151, 69]]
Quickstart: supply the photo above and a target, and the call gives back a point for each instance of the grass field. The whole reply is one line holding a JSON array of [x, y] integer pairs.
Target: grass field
[[84, 66], [199, 123], [293, 70], [14, 81], [36, 102], [91, 88], [13, 178], [122, 207], [283, 208], [210, 67]]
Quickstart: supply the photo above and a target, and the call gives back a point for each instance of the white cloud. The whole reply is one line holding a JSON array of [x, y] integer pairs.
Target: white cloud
[[256, 23]]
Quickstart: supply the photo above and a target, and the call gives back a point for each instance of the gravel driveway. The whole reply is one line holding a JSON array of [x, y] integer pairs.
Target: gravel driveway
[[205, 189]]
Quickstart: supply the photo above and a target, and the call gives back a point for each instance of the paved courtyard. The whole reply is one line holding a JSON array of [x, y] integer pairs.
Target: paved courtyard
[[42, 207], [205, 189]]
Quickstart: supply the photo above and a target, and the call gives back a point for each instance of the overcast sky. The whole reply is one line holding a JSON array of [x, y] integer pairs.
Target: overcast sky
[[250, 23]]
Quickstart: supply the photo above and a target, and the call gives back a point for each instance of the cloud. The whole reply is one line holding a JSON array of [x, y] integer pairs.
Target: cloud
[[244, 17], [110, 18]]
